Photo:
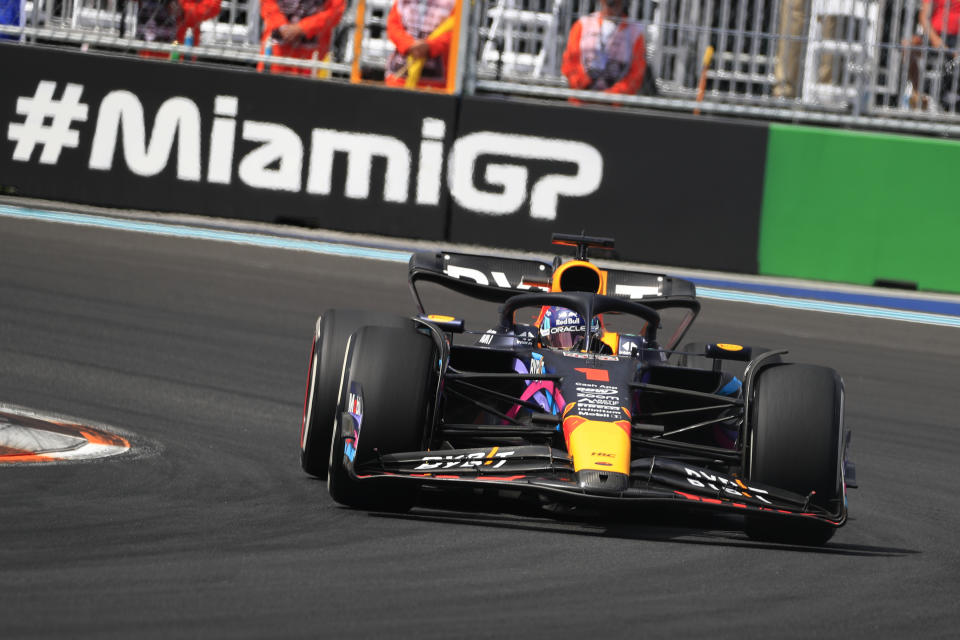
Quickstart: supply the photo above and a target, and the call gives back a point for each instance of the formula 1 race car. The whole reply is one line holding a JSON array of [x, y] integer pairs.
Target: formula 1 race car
[[577, 396]]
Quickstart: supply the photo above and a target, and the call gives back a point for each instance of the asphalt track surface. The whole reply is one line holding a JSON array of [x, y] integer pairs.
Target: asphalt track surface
[[198, 351]]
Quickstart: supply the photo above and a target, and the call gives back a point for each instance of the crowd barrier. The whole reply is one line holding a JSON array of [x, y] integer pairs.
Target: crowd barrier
[[857, 63], [701, 192]]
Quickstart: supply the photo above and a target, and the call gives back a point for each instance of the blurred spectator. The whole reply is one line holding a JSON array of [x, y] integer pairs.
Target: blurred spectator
[[793, 27], [169, 20], [939, 23], [606, 51], [414, 27], [10, 16], [298, 29]]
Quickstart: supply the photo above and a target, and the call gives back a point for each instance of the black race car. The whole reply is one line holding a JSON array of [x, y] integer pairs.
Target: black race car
[[579, 394]]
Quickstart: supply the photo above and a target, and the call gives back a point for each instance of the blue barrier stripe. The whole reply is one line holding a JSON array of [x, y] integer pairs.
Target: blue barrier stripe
[[941, 307], [828, 307], [849, 307]]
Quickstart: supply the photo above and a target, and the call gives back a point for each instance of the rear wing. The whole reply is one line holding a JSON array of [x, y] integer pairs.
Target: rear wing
[[496, 279], [634, 285]]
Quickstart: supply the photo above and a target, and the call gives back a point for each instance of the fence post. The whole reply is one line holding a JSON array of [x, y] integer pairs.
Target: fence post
[[358, 21], [472, 53], [460, 49]]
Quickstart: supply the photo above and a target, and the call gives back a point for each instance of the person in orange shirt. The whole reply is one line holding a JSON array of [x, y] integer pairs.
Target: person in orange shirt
[[298, 29], [409, 26], [606, 51], [168, 21]]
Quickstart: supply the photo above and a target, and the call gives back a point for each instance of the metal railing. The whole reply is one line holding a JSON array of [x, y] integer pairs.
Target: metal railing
[[237, 26], [865, 63], [834, 56]]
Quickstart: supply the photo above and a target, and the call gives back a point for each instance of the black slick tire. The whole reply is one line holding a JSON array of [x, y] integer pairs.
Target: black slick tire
[[393, 372], [333, 330], [795, 443]]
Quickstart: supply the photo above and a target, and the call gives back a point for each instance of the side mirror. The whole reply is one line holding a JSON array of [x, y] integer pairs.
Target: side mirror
[[448, 324], [726, 351]]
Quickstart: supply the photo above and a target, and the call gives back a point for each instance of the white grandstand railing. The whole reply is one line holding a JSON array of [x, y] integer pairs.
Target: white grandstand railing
[[516, 46], [797, 113], [237, 24], [211, 52], [375, 45], [868, 75]]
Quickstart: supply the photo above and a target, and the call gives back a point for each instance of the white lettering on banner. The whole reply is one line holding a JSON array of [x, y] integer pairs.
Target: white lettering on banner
[[513, 178], [281, 144], [47, 122], [121, 113], [222, 138], [278, 162], [431, 160], [360, 149]]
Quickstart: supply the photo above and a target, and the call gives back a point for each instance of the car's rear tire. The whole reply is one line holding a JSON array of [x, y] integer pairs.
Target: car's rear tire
[[333, 330], [795, 443], [393, 371]]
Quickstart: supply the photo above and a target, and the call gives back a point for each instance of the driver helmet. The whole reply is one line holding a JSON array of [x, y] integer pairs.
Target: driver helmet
[[562, 328]]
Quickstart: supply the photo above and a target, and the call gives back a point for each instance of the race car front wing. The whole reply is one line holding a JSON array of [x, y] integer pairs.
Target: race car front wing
[[550, 472]]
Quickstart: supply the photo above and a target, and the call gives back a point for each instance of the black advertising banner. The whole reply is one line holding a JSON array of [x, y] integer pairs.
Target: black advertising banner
[[167, 136], [674, 190]]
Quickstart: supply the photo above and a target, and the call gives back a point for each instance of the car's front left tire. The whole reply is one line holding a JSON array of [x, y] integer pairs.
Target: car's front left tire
[[385, 395]]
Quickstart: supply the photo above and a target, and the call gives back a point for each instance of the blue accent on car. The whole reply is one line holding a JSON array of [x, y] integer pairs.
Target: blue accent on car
[[355, 409], [539, 358], [732, 388], [543, 398]]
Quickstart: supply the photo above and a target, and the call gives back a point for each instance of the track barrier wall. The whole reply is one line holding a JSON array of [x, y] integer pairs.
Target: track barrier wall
[[660, 188], [167, 137], [677, 190], [861, 207]]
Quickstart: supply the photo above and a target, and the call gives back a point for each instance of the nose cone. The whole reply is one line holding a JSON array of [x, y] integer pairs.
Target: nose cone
[[605, 482], [596, 445]]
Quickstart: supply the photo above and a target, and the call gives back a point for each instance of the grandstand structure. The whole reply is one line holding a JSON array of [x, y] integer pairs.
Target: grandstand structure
[[516, 47]]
